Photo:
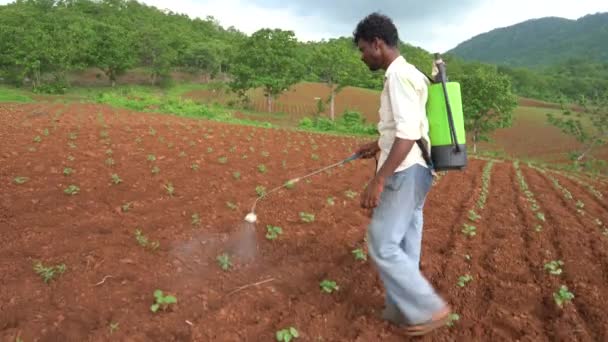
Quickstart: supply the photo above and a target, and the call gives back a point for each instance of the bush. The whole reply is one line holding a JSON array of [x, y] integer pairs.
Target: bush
[[349, 122]]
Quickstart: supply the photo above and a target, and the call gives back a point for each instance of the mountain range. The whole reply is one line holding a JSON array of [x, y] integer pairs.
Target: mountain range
[[538, 43]]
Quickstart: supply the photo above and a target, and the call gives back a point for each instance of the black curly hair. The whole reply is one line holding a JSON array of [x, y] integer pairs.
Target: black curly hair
[[377, 25]]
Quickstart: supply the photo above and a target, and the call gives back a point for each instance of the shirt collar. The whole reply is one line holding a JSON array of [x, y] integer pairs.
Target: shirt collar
[[394, 63]]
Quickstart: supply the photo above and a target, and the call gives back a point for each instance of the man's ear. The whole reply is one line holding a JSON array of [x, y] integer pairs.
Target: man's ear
[[378, 43]]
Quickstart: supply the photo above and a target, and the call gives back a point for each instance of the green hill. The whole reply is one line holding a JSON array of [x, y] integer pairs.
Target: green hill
[[540, 42]]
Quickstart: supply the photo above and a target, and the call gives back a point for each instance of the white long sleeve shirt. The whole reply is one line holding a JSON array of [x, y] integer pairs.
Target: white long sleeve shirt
[[403, 111]]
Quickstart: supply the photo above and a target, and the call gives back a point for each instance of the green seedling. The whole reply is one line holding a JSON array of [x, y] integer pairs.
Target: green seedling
[[469, 230], [20, 180], [196, 219], [265, 154], [116, 179], [538, 228], [287, 334], [45, 132], [350, 194], [155, 170], [113, 327], [224, 261], [554, 267], [273, 232], [71, 158], [473, 216], [71, 145], [170, 189], [144, 242], [562, 296], [71, 189], [231, 205], [194, 167], [72, 135], [328, 286], [68, 171], [453, 317], [307, 217], [540, 216], [48, 273], [464, 280], [162, 301], [37, 139], [125, 207], [103, 134], [209, 149], [290, 184], [314, 157], [110, 162], [467, 257], [151, 157], [359, 254], [580, 204], [260, 190], [152, 131], [222, 160], [262, 168], [182, 154], [330, 201]]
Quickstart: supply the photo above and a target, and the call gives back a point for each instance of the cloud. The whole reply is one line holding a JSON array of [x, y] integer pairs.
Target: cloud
[[417, 21]]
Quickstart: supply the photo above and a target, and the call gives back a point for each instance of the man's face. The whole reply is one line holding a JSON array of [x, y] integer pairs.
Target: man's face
[[370, 53]]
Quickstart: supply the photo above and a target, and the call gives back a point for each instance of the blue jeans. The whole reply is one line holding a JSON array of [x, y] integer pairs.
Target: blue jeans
[[394, 239]]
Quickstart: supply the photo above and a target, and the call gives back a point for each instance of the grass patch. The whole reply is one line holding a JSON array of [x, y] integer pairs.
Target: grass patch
[[13, 95]]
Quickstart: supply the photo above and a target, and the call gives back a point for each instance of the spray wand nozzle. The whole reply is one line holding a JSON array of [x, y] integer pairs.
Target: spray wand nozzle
[[252, 217]]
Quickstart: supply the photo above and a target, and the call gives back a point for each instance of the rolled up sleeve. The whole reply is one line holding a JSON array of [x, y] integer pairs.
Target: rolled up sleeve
[[404, 102]]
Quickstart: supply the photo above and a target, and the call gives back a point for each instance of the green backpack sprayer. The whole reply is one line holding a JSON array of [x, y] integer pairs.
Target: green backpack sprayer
[[446, 123]]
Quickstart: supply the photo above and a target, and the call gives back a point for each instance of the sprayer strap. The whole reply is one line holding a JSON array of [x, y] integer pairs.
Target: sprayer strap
[[425, 153]]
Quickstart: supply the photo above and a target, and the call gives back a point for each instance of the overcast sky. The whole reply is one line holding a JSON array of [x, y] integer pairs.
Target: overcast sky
[[436, 26]]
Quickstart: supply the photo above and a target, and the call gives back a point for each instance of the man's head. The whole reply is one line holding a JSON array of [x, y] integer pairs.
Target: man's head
[[377, 39]]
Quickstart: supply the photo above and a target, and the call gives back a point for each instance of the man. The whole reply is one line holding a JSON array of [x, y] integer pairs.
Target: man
[[398, 191]]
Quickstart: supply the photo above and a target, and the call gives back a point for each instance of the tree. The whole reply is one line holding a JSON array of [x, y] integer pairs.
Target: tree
[[268, 59], [589, 126], [488, 103], [334, 62], [113, 51]]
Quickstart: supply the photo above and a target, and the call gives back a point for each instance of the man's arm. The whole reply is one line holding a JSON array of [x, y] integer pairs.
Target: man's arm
[[404, 105]]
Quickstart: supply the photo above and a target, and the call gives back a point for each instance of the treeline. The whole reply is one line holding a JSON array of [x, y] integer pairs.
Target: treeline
[[565, 81], [41, 41]]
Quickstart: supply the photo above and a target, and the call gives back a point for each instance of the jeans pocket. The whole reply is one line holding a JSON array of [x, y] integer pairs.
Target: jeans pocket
[[394, 182]]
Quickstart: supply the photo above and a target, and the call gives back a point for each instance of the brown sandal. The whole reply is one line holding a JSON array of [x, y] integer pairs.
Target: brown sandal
[[424, 328]]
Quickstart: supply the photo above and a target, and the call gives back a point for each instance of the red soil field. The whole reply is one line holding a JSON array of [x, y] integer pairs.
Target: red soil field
[[106, 290]]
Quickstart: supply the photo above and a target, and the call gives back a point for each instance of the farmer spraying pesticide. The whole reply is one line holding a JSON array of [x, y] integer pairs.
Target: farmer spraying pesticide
[[403, 178]]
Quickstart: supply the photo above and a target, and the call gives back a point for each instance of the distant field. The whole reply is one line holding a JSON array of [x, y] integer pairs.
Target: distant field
[[529, 137]]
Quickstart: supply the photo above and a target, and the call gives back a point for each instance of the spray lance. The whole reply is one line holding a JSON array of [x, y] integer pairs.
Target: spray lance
[[252, 218]]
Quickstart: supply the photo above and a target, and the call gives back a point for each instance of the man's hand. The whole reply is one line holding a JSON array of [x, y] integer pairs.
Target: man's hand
[[368, 150], [371, 196]]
